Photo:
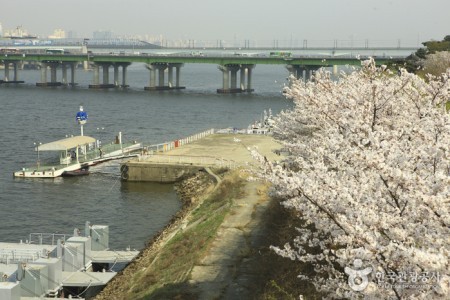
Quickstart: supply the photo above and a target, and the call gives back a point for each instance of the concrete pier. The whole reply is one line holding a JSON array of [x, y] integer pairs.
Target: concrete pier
[[302, 72], [7, 78], [105, 75], [96, 76], [246, 72], [72, 66], [161, 68], [116, 67], [53, 76], [229, 75], [53, 66], [214, 150]]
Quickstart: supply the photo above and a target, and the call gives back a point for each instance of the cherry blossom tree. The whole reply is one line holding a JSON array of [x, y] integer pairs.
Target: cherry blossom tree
[[369, 174], [437, 63]]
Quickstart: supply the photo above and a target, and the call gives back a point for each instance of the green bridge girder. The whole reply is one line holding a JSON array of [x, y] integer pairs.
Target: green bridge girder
[[299, 66], [219, 60]]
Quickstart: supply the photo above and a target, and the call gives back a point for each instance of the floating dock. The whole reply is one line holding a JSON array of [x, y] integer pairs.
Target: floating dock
[[76, 153]]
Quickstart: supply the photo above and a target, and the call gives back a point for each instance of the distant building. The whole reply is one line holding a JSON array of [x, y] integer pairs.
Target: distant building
[[58, 34], [1, 30], [72, 34], [18, 33], [102, 35]]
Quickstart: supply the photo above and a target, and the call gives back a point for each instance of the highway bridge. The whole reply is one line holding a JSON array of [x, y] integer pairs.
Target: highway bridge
[[159, 65]]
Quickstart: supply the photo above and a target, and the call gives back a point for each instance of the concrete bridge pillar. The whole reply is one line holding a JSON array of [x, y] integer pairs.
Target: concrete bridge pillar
[[229, 84], [309, 72], [295, 70], [64, 74], [170, 75], [302, 72], [161, 67], [53, 77], [73, 66], [116, 75], [249, 79], [124, 75], [233, 82], [116, 67], [177, 75], [225, 78], [16, 71], [229, 75], [96, 80], [7, 78], [161, 70], [105, 74], [43, 73], [246, 72], [53, 66], [152, 81]]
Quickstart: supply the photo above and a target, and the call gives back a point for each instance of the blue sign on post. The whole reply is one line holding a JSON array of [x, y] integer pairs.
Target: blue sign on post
[[82, 116]]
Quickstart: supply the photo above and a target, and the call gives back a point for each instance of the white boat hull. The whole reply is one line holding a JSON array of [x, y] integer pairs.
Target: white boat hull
[[47, 173], [53, 173]]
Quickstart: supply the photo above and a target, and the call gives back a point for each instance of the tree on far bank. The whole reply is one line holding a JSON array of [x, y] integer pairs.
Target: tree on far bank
[[436, 46], [437, 63], [415, 62], [369, 173]]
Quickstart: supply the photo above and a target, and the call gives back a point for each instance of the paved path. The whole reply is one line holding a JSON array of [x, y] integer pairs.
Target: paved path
[[232, 148], [224, 273]]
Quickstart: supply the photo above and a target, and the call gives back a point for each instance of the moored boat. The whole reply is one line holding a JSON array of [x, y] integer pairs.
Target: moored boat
[[77, 153], [80, 172]]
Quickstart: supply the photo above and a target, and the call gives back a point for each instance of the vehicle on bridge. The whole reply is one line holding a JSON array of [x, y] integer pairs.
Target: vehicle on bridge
[[280, 54], [55, 51], [10, 50]]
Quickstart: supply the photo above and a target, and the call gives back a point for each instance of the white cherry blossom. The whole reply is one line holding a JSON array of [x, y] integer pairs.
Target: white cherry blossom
[[370, 171]]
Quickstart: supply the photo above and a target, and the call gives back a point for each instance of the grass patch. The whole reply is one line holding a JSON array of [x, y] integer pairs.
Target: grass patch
[[167, 277], [230, 188]]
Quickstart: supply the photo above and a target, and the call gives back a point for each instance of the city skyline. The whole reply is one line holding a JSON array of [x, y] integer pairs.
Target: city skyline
[[407, 20]]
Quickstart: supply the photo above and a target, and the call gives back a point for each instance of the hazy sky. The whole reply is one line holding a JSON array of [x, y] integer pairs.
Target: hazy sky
[[263, 20]]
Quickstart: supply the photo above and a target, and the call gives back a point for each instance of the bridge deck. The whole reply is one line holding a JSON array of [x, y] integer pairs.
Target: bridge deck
[[202, 59]]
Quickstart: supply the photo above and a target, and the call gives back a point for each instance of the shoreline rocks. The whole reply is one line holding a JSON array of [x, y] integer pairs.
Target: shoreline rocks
[[190, 191]]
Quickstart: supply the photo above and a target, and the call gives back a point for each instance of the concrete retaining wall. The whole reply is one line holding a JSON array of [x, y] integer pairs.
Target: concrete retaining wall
[[138, 171]]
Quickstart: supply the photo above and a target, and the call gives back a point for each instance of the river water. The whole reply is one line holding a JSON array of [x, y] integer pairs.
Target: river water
[[133, 211]]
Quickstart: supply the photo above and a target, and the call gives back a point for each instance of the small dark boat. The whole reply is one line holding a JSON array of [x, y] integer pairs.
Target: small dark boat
[[79, 172]]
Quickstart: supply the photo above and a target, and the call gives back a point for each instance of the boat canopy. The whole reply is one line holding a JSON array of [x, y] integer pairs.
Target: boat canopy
[[67, 143]]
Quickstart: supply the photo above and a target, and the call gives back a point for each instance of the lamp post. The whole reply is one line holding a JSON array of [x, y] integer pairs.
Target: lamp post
[[37, 144]]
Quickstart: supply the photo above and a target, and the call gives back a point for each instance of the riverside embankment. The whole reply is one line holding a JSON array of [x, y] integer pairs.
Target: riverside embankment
[[211, 151], [217, 246]]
